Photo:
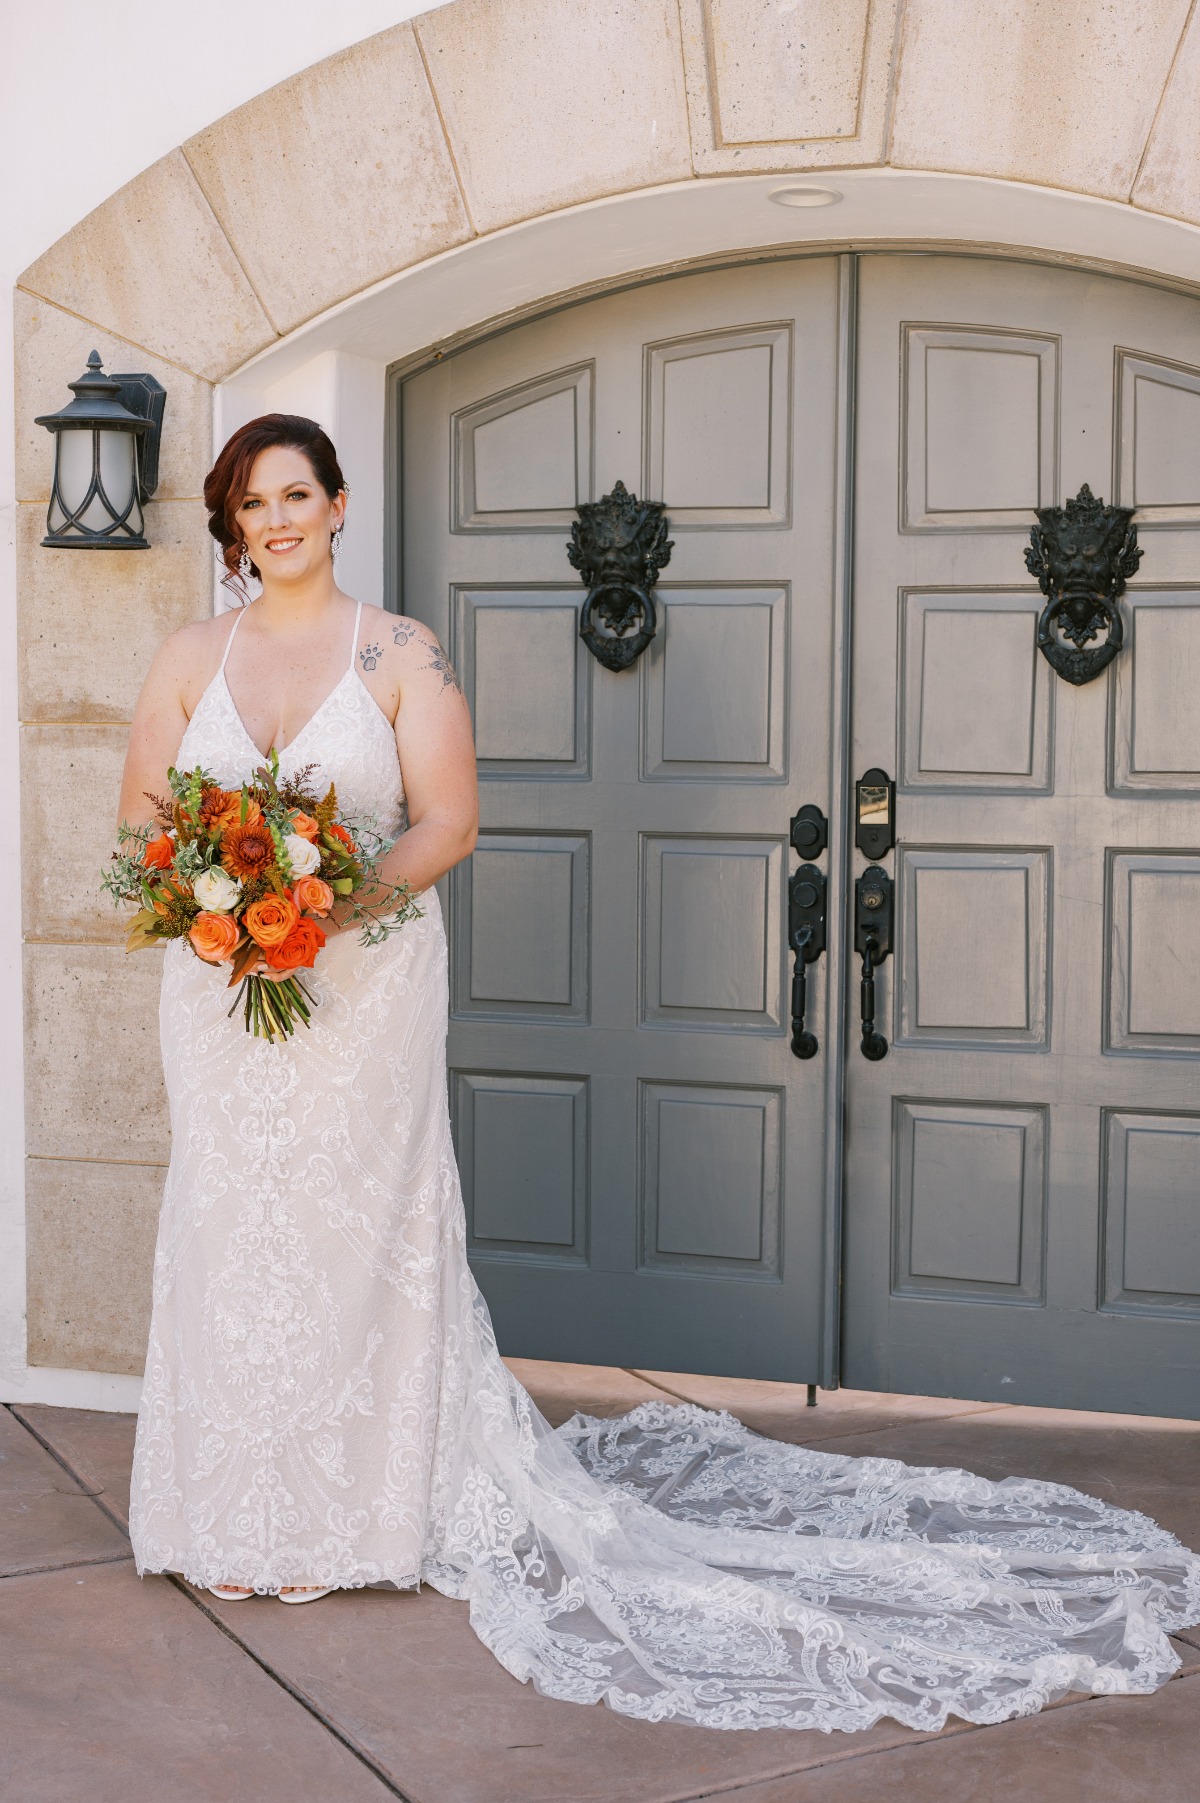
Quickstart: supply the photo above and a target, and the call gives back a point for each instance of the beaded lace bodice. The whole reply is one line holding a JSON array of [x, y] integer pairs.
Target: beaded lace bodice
[[347, 739]]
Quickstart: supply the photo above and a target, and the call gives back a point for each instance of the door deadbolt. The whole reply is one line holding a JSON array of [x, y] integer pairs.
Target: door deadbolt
[[810, 831], [875, 814]]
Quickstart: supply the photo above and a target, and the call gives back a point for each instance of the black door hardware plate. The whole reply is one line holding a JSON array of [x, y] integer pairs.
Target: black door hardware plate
[[810, 831], [806, 940], [875, 814], [873, 899]]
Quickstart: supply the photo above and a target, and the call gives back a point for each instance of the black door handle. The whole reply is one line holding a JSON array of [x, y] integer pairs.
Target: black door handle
[[873, 898], [806, 939]]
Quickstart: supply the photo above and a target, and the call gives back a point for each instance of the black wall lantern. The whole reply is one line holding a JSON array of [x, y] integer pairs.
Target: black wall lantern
[[105, 460]]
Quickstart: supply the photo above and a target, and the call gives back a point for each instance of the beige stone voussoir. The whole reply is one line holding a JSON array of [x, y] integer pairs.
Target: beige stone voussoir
[[91, 621], [153, 265], [1169, 181], [90, 1234], [52, 349], [335, 178], [70, 783], [93, 1075], [1064, 95], [552, 102], [803, 86]]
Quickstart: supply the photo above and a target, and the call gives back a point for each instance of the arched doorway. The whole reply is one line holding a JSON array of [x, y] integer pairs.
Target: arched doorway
[[850, 451]]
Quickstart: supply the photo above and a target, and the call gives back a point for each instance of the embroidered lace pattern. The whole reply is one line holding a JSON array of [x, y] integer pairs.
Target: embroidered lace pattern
[[324, 1403]]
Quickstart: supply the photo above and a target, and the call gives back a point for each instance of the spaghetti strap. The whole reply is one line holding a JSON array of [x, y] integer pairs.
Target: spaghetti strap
[[233, 634], [354, 640]]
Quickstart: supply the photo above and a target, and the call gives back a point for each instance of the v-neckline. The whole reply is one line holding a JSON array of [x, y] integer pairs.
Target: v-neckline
[[297, 736]]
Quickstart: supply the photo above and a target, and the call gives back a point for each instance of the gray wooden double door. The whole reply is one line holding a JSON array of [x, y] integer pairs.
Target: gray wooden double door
[[850, 451]]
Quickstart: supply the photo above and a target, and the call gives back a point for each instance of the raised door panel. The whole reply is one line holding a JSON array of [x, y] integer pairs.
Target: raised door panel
[[711, 1164], [1152, 1213], [718, 438], [968, 1201], [1153, 979], [521, 944], [715, 697], [523, 458], [976, 701], [712, 940], [522, 1149], [1154, 735], [980, 432], [527, 679], [973, 948], [1158, 438]]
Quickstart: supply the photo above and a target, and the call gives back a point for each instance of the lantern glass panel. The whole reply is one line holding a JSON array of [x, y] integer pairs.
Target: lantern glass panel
[[77, 453]]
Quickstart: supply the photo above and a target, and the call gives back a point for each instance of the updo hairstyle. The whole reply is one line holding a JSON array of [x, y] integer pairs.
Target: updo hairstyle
[[226, 482]]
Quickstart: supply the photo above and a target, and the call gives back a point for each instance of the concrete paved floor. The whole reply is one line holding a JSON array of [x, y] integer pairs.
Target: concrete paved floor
[[120, 1691]]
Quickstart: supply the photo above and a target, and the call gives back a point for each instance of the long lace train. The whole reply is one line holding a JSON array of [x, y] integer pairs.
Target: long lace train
[[324, 1403]]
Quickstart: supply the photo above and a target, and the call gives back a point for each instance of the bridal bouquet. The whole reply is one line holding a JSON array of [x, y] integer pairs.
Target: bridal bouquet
[[247, 876]]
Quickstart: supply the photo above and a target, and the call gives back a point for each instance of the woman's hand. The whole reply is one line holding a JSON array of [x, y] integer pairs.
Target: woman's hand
[[338, 920]]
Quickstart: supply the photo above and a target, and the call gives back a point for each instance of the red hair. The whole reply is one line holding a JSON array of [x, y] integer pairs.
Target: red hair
[[226, 482]]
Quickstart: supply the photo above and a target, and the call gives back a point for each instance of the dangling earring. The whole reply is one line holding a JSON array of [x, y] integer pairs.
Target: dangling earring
[[335, 543], [243, 565]]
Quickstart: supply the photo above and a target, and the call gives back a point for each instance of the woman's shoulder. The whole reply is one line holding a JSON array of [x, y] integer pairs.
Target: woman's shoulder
[[394, 642], [188, 658]]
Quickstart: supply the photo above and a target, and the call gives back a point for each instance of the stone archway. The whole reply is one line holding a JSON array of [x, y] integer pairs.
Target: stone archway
[[489, 134]]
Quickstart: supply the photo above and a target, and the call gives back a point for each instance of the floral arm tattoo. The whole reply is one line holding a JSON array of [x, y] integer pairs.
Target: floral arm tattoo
[[405, 630], [441, 663]]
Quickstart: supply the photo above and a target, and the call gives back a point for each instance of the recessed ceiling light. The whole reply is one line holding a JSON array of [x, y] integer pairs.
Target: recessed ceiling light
[[805, 197]]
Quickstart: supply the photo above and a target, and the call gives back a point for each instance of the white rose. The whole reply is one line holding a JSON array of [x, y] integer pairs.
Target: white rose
[[303, 856], [216, 891]]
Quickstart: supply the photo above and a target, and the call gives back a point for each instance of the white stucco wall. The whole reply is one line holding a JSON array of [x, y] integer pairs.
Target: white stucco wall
[[89, 97]]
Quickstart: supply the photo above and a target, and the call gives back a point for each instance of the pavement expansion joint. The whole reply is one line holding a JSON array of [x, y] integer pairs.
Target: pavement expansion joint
[[37, 1571], [292, 1690], [96, 1495]]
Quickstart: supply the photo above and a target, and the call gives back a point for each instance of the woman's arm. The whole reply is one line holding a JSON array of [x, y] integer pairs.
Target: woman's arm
[[437, 757], [159, 721]]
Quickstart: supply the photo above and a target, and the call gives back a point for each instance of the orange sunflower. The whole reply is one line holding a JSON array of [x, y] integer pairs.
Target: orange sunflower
[[247, 851]]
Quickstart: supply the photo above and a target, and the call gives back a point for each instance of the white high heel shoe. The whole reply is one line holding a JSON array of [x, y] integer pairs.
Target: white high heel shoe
[[307, 1595]]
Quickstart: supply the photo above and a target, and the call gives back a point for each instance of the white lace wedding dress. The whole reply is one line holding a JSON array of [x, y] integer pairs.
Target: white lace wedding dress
[[324, 1402]]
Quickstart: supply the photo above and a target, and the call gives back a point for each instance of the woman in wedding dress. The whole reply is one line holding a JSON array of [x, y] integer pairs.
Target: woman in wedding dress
[[324, 1405]]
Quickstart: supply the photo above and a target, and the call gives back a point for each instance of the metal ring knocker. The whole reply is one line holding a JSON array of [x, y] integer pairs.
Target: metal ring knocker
[[618, 545]]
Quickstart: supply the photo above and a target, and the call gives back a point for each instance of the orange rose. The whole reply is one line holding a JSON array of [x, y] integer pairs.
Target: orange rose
[[337, 831], [160, 853], [270, 920], [311, 893], [214, 937], [307, 827], [299, 949]]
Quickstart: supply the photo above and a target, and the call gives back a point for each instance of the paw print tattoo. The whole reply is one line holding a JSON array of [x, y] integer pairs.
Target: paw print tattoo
[[370, 655], [402, 632], [441, 663]]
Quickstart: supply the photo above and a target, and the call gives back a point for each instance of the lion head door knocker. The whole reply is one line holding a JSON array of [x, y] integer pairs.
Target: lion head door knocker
[[1081, 555], [618, 545]]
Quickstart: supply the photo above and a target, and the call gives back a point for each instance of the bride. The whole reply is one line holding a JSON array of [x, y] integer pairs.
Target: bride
[[324, 1405]]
